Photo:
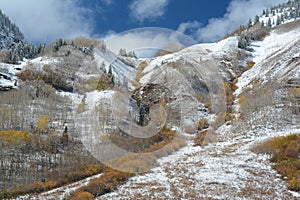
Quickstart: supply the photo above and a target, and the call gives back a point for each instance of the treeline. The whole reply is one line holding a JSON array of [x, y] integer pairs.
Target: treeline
[[10, 34], [257, 28], [83, 44], [13, 46]]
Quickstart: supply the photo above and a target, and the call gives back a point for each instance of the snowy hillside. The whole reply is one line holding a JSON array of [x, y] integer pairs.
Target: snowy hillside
[[283, 13], [283, 40], [10, 34], [226, 167], [8, 79], [185, 125]]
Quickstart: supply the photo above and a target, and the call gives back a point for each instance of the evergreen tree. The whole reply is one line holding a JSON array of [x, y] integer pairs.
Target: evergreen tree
[[269, 22], [10, 33], [249, 23], [13, 40], [297, 13], [267, 13], [256, 19], [278, 22]]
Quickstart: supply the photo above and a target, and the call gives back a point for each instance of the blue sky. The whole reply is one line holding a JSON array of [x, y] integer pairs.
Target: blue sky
[[203, 20], [119, 16]]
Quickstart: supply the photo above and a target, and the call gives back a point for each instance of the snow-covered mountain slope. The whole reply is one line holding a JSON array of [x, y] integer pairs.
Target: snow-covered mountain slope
[[8, 78], [10, 34], [123, 68], [280, 14], [228, 169], [225, 49], [275, 57], [192, 84]]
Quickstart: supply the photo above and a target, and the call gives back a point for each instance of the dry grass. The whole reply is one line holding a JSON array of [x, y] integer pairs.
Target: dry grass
[[203, 124], [164, 143], [205, 137], [39, 186], [109, 180], [283, 28], [285, 154], [139, 72], [250, 64], [82, 196]]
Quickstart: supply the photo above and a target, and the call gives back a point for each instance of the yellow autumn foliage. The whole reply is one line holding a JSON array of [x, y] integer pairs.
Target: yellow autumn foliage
[[242, 99], [42, 122], [295, 91], [12, 136], [250, 64]]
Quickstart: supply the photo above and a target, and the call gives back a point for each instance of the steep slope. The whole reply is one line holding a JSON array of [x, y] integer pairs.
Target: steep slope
[[10, 34], [41, 96], [228, 168], [280, 48], [271, 85], [13, 46], [76, 91], [280, 14], [8, 80]]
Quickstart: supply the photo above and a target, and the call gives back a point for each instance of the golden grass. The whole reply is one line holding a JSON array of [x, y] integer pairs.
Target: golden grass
[[167, 142], [285, 154], [82, 196], [38, 186]]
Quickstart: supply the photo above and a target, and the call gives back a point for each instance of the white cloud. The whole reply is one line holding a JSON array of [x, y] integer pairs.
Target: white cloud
[[144, 39], [238, 13], [183, 27], [148, 9], [108, 2], [47, 20]]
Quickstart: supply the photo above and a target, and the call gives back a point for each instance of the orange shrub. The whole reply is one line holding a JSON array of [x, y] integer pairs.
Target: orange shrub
[[294, 184], [109, 180]]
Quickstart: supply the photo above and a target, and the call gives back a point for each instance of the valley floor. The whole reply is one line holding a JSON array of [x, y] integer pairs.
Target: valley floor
[[223, 170], [227, 169]]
